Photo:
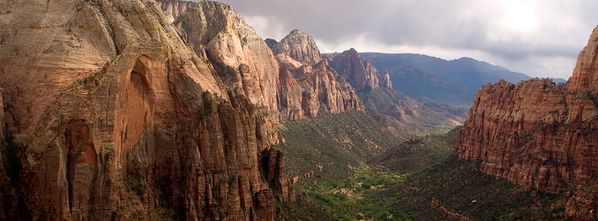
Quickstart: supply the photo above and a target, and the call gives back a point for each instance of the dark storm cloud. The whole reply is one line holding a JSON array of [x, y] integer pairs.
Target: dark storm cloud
[[540, 38]]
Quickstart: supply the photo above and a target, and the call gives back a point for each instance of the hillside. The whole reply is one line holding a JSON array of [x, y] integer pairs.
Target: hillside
[[453, 82], [378, 94], [329, 145], [456, 190]]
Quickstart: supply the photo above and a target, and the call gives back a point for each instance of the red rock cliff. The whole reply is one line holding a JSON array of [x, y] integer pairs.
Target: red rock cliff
[[585, 74], [537, 134], [112, 115], [299, 46], [288, 88], [308, 84], [359, 72]]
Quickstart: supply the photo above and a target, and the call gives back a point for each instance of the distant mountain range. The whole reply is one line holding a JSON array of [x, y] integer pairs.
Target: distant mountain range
[[452, 82]]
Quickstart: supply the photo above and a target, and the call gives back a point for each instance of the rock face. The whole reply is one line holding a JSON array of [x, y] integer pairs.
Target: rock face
[[585, 74], [293, 89], [584, 202], [385, 81], [299, 46], [537, 134], [240, 56], [360, 73], [8, 194], [307, 83], [137, 110]]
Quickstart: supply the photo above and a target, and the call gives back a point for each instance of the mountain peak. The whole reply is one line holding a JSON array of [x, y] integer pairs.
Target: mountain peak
[[297, 32], [299, 46], [351, 51], [359, 72]]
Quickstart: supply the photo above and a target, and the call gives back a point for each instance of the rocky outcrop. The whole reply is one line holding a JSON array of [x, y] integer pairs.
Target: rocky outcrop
[[357, 71], [385, 81], [307, 83], [537, 134], [240, 56], [273, 164], [299, 46], [585, 74], [118, 110], [323, 90]]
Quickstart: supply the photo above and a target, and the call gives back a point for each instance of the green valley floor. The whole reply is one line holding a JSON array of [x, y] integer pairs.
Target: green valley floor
[[355, 166]]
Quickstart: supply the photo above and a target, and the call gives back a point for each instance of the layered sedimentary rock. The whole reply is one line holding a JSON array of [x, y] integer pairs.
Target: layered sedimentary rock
[[299, 46], [583, 204], [360, 73], [275, 173], [117, 110], [307, 83], [538, 134], [246, 62], [585, 74], [240, 56]]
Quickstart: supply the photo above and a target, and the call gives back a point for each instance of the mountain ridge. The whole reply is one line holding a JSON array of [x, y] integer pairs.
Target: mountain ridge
[[444, 81]]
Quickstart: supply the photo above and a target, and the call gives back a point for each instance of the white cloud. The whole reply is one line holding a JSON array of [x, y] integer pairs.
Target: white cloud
[[536, 37]]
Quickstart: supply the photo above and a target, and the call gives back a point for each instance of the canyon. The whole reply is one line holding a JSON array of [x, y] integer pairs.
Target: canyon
[[180, 110], [142, 110]]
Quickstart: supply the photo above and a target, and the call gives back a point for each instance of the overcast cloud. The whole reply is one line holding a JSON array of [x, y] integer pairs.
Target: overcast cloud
[[537, 37]]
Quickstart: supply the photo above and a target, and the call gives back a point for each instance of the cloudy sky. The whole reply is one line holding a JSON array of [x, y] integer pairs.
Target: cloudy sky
[[537, 37]]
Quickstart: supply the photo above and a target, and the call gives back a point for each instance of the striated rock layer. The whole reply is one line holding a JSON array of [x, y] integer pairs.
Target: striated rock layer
[[291, 85], [138, 110], [537, 134], [299, 46], [308, 84], [359, 72]]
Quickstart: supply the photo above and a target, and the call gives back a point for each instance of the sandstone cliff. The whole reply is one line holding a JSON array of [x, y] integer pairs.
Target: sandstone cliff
[[240, 56], [308, 84], [538, 134], [293, 89], [360, 73], [299, 46], [585, 74], [117, 110]]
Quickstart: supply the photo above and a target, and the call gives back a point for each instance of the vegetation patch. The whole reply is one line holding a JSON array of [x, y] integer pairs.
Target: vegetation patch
[[418, 153], [593, 97], [331, 144], [351, 198], [460, 187], [419, 179]]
